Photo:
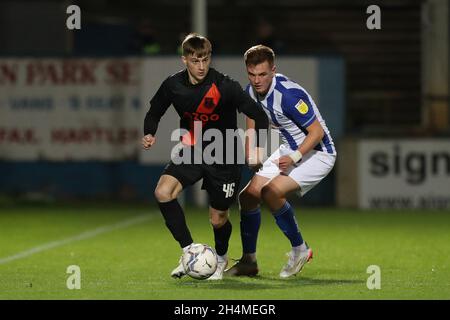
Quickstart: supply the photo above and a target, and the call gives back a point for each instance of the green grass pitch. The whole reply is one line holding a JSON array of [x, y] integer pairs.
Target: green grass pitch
[[122, 258]]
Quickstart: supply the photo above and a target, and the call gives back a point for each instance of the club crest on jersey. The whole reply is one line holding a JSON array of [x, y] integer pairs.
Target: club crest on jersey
[[209, 103], [302, 107]]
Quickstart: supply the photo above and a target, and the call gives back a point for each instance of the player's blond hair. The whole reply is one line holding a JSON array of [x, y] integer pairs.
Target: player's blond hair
[[259, 54], [195, 44]]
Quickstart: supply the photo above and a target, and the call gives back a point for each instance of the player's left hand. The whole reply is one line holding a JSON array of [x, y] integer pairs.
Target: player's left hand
[[283, 163]]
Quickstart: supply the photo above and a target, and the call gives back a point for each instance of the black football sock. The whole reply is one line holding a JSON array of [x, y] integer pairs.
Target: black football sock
[[174, 216], [222, 236]]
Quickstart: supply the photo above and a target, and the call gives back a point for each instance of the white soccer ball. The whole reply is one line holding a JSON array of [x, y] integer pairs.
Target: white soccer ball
[[199, 261]]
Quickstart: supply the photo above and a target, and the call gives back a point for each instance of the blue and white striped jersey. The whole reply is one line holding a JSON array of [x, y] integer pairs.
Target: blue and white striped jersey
[[291, 110]]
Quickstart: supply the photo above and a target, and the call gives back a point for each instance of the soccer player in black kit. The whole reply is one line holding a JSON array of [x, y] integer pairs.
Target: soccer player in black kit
[[200, 93]]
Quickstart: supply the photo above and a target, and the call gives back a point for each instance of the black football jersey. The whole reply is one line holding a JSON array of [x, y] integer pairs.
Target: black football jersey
[[215, 102]]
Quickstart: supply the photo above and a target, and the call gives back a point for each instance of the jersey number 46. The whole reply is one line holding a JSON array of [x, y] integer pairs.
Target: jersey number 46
[[228, 189]]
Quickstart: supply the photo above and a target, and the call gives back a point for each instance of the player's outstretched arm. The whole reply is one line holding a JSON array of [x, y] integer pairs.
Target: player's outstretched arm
[[253, 154], [251, 109], [249, 137], [255, 113], [158, 106]]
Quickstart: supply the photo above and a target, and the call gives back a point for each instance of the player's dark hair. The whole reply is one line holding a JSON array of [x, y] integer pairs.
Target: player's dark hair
[[259, 54], [195, 44]]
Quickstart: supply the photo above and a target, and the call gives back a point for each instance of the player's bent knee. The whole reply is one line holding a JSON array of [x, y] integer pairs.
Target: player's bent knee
[[249, 200], [243, 197], [269, 192], [218, 223], [218, 220], [252, 193], [218, 217], [163, 194]]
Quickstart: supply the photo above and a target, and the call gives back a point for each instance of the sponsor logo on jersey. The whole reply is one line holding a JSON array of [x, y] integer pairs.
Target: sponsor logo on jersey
[[204, 113], [302, 107]]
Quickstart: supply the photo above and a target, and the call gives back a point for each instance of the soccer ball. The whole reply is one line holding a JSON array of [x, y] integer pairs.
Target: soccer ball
[[199, 261]]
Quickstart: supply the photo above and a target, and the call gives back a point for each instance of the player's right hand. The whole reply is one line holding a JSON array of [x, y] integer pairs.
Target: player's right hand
[[148, 141]]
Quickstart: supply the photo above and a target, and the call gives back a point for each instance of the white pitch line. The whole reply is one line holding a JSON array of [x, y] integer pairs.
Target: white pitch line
[[81, 236]]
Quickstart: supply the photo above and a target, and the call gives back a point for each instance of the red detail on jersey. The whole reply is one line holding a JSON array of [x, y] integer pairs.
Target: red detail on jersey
[[206, 106], [194, 116], [210, 100]]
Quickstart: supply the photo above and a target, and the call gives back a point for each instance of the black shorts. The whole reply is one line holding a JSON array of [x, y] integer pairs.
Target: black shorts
[[220, 181]]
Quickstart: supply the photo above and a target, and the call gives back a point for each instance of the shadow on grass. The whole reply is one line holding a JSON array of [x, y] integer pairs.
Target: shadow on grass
[[263, 282]]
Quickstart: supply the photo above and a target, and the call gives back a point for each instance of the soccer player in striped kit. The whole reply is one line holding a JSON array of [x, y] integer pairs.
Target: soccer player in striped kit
[[306, 155]]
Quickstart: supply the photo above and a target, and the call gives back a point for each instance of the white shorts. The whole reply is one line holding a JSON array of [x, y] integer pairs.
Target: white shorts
[[315, 166]]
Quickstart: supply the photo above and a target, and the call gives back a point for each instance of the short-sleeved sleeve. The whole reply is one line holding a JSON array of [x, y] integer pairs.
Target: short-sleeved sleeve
[[298, 107]]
